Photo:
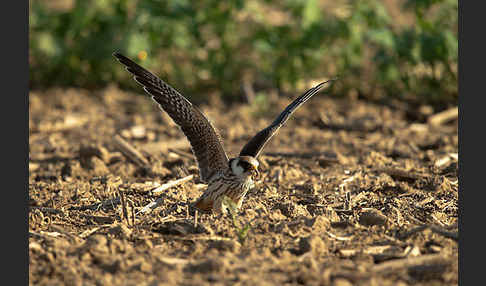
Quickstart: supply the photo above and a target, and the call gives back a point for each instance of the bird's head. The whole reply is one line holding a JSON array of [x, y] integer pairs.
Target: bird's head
[[244, 166]]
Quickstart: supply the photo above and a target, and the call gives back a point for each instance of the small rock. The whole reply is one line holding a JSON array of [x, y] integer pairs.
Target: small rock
[[33, 166], [207, 266], [115, 157], [341, 282], [225, 245], [290, 209], [66, 170], [35, 246], [138, 132], [86, 152], [121, 230], [140, 264], [98, 244], [276, 215], [321, 224], [369, 217], [313, 244], [97, 239], [94, 158], [99, 167], [135, 132]]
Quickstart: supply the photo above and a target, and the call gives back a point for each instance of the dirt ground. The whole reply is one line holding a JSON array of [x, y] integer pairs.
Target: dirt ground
[[352, 193]]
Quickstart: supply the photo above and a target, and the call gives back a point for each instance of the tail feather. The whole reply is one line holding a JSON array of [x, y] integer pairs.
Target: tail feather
[[203, 204]]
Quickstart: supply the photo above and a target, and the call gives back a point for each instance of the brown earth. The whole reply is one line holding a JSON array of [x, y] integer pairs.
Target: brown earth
[[352, 193]]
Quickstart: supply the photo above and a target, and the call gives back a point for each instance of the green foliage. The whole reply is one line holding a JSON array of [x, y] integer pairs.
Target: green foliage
[[241, 232], [209, 45], [260, 105]]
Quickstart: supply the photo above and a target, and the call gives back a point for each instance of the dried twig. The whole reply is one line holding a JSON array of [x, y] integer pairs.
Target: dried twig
[[132, 209], [343, 186], [197, 237], [59, 229], [446, 160], [341, 238], [144, 187], [160, 189], [110, 202], [173, 260], [449, 234], [360, 124], [99, 219], [48, 210], [400, 173], [427, 260], [171, 184], [164, 146], [151, 206], [44, 234], [181, 153], [124, 206], [444, 116], [89, 232], [307, 155], [130, 152], [248, 91], [47, 158], [70, 121]]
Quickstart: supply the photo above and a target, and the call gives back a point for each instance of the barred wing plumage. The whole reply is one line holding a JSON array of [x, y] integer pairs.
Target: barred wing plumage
[[256, 144], [204, 139]]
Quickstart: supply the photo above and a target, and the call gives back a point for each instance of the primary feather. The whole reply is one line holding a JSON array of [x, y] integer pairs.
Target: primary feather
[[204, 139], [256, 144]]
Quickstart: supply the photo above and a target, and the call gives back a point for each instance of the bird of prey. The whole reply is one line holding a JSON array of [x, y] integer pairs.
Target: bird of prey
[[225, 177]]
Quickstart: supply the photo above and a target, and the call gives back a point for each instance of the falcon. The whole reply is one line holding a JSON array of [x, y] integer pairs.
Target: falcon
[[225, 177]]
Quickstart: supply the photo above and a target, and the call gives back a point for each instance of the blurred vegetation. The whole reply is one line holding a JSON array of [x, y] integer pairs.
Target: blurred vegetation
[[241, 232], [380, 49]]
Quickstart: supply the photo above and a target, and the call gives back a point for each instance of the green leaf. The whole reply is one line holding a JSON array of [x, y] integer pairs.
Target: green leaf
[[312, 13]]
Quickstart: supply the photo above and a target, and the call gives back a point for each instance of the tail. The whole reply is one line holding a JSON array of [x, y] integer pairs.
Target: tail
[[203, 204]]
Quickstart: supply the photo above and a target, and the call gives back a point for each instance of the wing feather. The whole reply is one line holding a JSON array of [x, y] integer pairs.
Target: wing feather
[[205, 141], [256, 144]]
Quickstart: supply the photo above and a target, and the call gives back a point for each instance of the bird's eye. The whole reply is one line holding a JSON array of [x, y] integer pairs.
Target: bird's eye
[[245, 165]]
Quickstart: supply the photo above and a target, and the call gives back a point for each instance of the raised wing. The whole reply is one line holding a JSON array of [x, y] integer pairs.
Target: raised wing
[[205, 141], [255, 146]]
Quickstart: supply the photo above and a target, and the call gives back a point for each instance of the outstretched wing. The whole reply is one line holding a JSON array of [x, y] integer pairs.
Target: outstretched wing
[[205, 141], [255, 146]]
